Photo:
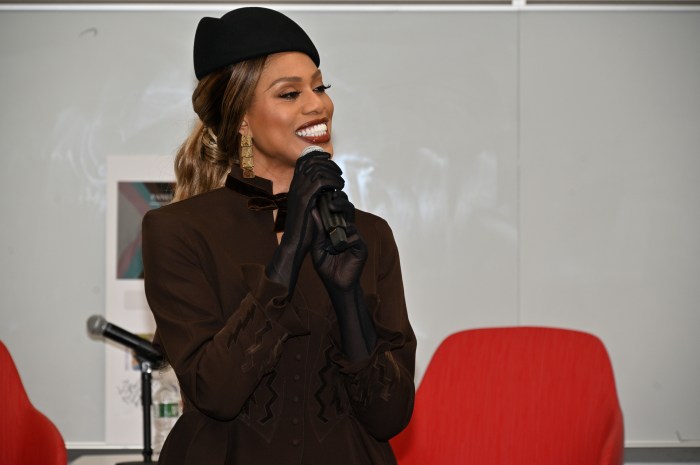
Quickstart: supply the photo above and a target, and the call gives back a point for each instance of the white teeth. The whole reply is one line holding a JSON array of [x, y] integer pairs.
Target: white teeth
[[313, 131]]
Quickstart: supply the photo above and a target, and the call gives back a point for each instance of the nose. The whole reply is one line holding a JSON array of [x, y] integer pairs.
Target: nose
[[314, 103]]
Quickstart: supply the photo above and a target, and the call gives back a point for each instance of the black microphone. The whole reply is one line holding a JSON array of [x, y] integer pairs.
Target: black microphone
[[98, 326], [333, 223]]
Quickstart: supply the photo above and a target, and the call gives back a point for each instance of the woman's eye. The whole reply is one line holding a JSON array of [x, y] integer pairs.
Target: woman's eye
[[293, 95], [290, 95]]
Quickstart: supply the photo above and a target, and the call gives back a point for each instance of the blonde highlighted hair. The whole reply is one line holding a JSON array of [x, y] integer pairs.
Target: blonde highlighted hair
[[220, 100]]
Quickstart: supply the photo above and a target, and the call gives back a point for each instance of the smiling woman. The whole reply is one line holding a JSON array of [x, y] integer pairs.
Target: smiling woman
[[290, 110], [286, 349]]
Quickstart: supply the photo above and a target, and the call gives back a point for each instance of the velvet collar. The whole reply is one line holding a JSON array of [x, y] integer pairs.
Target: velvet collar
[[260, 197]]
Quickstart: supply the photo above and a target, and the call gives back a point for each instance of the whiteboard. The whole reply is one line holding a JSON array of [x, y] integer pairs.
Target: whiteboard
[[537, 167]]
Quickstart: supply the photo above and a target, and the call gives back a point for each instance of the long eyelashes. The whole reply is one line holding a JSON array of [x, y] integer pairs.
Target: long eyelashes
[[290, 95], [295, 94]]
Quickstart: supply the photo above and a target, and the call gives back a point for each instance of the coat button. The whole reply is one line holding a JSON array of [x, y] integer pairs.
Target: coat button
[[297, 377], [295, 421], [295, 399], [297, 356], [296, 442]]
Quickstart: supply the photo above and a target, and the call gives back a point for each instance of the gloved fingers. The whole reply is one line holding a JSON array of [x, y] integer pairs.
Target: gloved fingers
[[321, 239], [317, 185], [339, 271], [351, 230], [356, 245], [314, 174], [341, 204], [318, 164], [303, 164], [318, 230], [326, 179]]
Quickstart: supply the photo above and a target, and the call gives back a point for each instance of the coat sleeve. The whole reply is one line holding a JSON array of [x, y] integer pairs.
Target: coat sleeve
[[218, 360], [381, 387]]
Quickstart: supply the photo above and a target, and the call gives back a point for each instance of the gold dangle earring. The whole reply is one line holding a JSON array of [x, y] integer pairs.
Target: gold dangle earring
[[246, 156]]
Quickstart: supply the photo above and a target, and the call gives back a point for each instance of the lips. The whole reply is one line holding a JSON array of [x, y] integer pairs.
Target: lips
[[314, 132]]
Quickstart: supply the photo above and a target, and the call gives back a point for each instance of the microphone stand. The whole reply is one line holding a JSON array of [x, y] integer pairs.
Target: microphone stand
[[146, 401]]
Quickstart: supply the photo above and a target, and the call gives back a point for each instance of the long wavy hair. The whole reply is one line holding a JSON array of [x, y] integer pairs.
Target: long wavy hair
[[220, 100]]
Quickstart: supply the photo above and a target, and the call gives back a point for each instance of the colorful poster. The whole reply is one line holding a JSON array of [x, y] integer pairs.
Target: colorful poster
[[134, 200]]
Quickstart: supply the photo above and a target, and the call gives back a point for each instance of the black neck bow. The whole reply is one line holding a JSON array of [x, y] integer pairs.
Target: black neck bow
[[261, 200]]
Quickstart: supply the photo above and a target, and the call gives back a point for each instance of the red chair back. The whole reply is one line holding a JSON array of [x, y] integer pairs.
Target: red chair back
[[27, 437], [510, 396]]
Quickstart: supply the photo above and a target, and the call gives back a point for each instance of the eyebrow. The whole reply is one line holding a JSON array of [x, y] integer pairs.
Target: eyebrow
[[292, 79]]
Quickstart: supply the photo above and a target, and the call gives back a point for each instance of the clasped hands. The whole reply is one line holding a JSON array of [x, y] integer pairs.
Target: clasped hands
[[315, 173]]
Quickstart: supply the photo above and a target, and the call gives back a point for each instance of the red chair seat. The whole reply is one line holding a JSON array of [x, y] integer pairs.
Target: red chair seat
[[27, 437], [509, 396]]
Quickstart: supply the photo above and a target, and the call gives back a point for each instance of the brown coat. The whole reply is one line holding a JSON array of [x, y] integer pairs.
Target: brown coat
[[264, 380]]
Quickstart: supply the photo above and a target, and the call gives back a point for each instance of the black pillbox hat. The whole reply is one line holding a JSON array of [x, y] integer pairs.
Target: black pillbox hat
[[246, 33]]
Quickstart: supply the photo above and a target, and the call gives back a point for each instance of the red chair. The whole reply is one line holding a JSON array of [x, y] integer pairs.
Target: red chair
[[27, 437], [515, 396]]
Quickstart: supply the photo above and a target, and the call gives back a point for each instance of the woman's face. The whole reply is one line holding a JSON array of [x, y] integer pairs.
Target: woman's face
[[290, 111]]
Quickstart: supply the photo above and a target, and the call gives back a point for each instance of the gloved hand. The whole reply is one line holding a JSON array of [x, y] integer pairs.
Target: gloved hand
[[340, 274], [339, 271], [313, 174]]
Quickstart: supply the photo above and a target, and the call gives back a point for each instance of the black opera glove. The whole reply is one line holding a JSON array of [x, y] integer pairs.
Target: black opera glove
[[313, 174], [340, 274]]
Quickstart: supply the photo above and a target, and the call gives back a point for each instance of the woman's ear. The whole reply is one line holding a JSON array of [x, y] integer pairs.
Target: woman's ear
[[244, 130]]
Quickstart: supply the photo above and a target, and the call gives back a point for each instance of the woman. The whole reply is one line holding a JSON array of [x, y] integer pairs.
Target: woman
[[286, 350]]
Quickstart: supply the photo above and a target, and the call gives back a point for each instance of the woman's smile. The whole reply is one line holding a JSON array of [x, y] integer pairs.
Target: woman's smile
[[315, 132]]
